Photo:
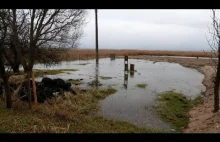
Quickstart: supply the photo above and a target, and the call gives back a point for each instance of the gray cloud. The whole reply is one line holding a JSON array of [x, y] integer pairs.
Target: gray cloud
[[148, 29]]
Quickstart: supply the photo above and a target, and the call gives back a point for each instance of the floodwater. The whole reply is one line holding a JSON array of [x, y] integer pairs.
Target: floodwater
[[130, 103], [185, 57]]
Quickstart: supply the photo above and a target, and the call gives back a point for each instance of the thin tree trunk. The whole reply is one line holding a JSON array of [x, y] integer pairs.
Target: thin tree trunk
[[6, 85], [216, 91], [29, 88], [8, 93], [217, 82], [34, 90], [16, 69]]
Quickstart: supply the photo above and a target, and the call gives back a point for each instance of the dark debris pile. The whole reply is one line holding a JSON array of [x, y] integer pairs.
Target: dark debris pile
[[47, 88]]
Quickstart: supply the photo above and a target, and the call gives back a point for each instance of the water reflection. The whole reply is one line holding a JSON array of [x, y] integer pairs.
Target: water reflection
[[131, 74], [126, 80], [112, 57], [97, 75]]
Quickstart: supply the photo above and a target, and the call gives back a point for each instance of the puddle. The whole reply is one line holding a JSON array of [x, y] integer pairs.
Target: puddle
[[131, 103]]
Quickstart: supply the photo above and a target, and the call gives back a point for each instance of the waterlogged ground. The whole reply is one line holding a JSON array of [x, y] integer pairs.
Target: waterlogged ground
[[131, 103]]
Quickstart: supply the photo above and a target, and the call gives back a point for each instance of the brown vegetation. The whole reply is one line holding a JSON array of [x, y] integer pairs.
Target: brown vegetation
[[84, 54]]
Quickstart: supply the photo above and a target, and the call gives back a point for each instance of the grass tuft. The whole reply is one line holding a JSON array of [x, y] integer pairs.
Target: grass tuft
[[141, 85], [83, 64], [105, 77], [101, 94], [38, 73]]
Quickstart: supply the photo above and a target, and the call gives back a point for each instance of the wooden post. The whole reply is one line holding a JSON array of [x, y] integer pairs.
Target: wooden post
[[34, 90], [126, 63], [132, 67]]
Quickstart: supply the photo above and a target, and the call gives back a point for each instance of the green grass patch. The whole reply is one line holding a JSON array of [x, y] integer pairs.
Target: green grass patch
[[101, 94], [105, 77], [141, 85], [174, 107], [40, 73]]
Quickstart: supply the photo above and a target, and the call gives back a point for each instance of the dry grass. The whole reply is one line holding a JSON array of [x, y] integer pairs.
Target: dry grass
[[16, 79], [85, 54], [78, 104], [63, 114], [60, 106]]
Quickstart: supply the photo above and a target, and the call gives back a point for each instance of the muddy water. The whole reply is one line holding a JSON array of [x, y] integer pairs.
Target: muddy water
[[131, 103]]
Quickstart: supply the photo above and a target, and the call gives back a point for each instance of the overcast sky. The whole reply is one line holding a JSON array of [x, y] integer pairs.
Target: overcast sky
[[148, 29]]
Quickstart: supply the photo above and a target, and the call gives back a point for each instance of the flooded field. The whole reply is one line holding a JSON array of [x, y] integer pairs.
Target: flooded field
[[131, 103]]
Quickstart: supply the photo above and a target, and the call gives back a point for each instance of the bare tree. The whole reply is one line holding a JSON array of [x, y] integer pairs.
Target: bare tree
[[3, 35], [38, 35], [17, 32], [50, 28], [214, 44]]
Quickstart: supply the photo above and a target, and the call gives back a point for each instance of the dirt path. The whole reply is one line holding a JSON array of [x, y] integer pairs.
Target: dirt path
[[202, 119]]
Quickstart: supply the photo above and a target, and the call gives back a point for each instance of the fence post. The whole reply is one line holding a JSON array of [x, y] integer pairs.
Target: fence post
[[132, 67], [131, 70]]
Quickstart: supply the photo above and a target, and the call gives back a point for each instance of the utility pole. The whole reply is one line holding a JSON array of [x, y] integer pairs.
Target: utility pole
[[96, 25]]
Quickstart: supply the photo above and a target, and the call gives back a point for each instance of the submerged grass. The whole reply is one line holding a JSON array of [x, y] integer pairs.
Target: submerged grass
[[141, 85], [64, 114], [105, 77], [83, 64], [174, 107], [101, 94], [51, 72], [75, 81], [40, 73]]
